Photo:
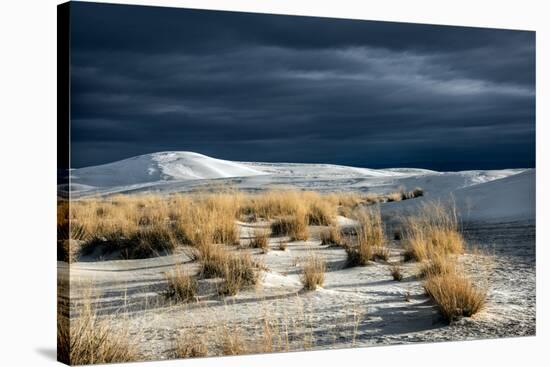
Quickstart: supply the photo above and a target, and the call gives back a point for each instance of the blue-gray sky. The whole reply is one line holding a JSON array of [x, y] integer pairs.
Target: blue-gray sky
[[260, 87]]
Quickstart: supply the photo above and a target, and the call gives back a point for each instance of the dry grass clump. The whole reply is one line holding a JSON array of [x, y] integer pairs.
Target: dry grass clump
[[182, 287], [433, 238], [190, 345], [150, 225], [371, 227], [381, 253], [295, 226], [396, 273], [87, 339], [238, 272], [371, 241], [416, 192], [455, 295], [260, 240], [232, 343], [359, 255], [404, 195], [272, 204], [313, 272], [224, 209], [434, 230], [320, 211], [135, 227], [394, 196], [332, 236], [213, 259], [207, 219], [439, 264], [237, 269], [63, 337]]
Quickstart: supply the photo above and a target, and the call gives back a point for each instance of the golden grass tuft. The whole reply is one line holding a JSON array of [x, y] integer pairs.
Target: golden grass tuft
[[320, 211], [381, 253], [396, 272], [332, 236], [87, 339], [238, 272], [455, 295], [237, 269], [213, 259], [294, 226], [260, 240], [232, 342], [434, 230], [182, 287], [313, 272], [190, 345], [371, 241], [438, 264]]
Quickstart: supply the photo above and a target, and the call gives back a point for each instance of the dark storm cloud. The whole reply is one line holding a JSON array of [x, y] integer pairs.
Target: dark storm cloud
[[280, 88]]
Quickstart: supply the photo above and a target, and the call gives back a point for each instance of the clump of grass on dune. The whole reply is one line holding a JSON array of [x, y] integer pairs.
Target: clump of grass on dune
[[238, 272], [455, 295], [396, 272], [434, 230], [87, 339], [438, 264], [213, 259], [381, 253], [371, 242], [190, 345], [182, 287], [321, 211], [313, 272], [148, 225], [332, 236], [318, 209], [224, 208], [294, 226], [272, 204], [63, 337], [260, 240], [433, 237], [232, 342], [210, 219], [133, 226]]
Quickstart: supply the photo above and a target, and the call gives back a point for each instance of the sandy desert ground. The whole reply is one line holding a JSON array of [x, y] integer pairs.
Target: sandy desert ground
[[356, 306]]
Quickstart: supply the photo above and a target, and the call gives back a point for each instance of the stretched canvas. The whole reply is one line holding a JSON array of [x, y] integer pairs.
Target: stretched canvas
[[235, 183]]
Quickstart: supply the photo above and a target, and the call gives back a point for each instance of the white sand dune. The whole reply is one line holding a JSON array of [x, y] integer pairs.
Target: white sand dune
[[163, 166], [509, 198], [487, 196]]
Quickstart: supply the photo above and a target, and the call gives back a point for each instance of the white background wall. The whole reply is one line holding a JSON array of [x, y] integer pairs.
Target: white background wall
[[28, 187]]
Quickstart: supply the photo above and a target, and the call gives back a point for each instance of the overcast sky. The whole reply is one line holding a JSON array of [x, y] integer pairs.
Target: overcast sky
[[256, 87]]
